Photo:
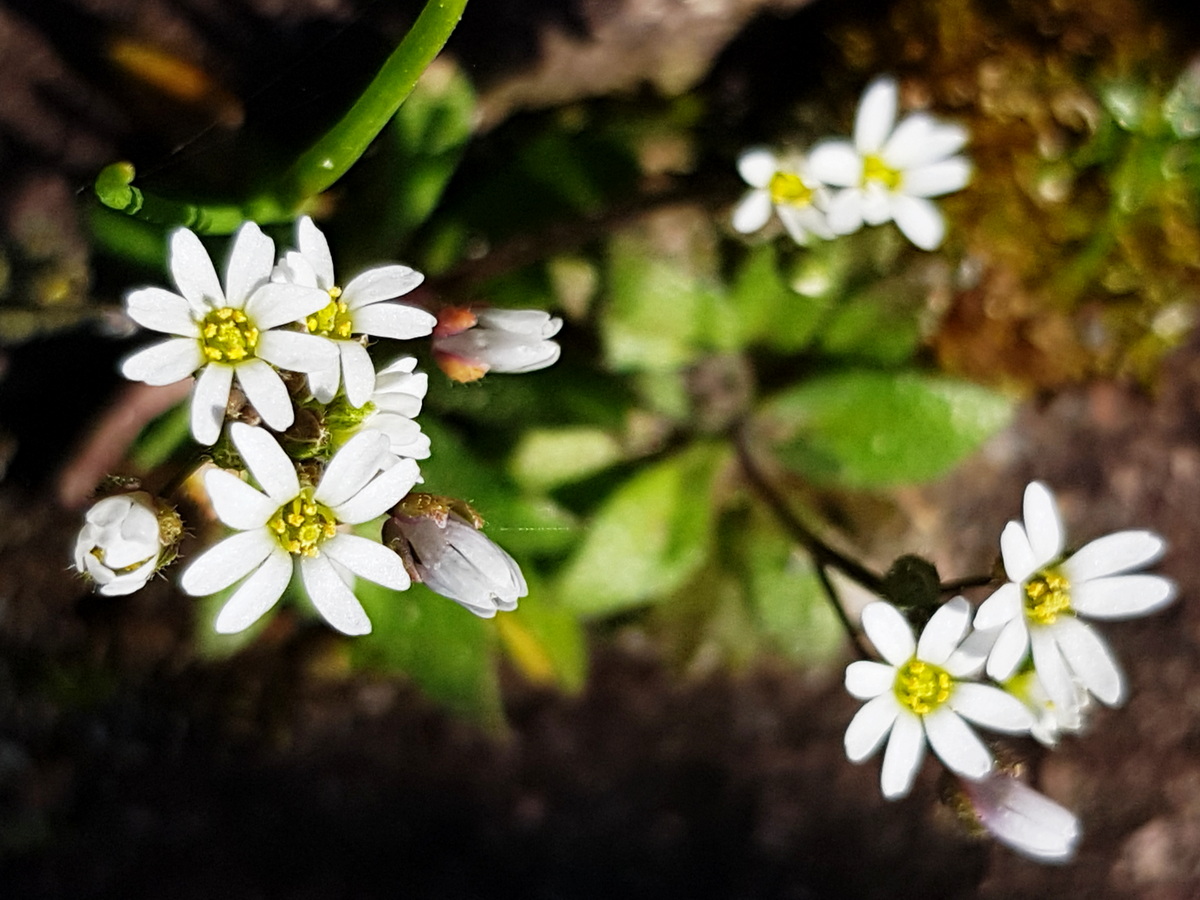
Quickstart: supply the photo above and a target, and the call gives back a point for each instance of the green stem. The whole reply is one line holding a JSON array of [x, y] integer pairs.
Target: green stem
[[334, 153], [114, 187]]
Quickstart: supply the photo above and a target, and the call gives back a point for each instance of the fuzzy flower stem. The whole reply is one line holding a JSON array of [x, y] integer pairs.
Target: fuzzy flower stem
[[823, 555], [856, 638], [958, 585], [335, 152]]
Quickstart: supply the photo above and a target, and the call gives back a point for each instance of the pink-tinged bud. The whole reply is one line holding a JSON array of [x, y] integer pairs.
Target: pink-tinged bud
[[501, 340], [448, 553], [452, 320], [124, 540], [1021, 818]]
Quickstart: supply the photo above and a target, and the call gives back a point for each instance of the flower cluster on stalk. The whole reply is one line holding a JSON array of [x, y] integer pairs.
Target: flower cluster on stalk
[[887, 172], [314, 442], [1044, 662]]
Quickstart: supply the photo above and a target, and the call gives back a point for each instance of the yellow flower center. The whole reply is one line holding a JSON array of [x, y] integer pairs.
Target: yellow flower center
[[332, 321], [302, 525], [875, 169], [922, 686], [1047, 596], [227, 335], [786, 187]]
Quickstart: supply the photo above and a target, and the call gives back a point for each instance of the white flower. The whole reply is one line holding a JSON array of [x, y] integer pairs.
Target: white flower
[[226, 332], [453, 558], [917, 695], [890, 170], [785, 185], [290, 524], [500, 340], [1021, 818], [356, 309], [1050, 720], [1040, 608], [120, 543], [391, 409]]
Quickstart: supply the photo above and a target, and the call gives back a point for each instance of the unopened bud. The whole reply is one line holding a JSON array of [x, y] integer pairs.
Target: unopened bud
[[499, 340], [125, 539], [1017, 816]]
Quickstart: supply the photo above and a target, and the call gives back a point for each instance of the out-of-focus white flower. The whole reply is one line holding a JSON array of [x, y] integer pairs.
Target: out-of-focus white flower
[[916, 695], [223, 332], [121, 542], [890, 170], [290, 524], [1050, 720], [1042, 607], [782, 183], [452, 557], [1023, 819], [468, 344], [356, 309]]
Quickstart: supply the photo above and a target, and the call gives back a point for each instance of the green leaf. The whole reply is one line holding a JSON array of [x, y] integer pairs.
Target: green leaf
[[446, 650], [873, 429], [769, 311], [647, 537], [548, 457]]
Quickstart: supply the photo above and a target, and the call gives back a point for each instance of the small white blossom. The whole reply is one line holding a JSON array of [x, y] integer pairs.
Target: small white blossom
[[917, 695], [120, 543], [356, 309], [1050, 720], [290, 525], [785, 185], [395, 404], [455, 559], [223, 332], [890, 170], [1042, 607], [500, 340], [1023, 819]]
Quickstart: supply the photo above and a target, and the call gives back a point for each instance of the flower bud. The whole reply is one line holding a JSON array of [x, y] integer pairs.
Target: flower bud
[[469, 345], [1020, 818], [448, 553], [123, 541]]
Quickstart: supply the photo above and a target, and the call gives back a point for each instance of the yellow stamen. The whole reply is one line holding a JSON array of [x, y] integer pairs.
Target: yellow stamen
[[1047, 596], [786, 187], [302, 525], [332, 321], [227, 335], [875, 169], [922, 686]]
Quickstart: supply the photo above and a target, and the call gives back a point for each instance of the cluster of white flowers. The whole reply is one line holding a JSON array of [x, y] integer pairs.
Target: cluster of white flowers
[[343, 443], [886, 173], [1029, 637]]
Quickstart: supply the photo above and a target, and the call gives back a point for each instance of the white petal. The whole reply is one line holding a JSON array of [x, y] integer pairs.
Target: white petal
[[534, 323], [267, 462], [1122, 596], [257, 594], [193, 272], [160, 310], [293, 268], [368, 559], [236, 503], [1052, 670], [757, 166], [358, 372], [165, 362], [919, 220], [324, 383], [250, 261], [266, 392], [315, 248], [1019, 561], [1009, 650], [845, 213], [870, 726], [351, 468], [876, 114], [210, 397], [332, 597], [889, 631], [929, 142], [968, 660], [1089, 657], [836, 163], [1028, 822], [956, 744], [230, 560], [276, 304], [903, 757], [296, 352], [991, 707], [381, 283], [946, 628], [751, 212], [938, 178], [398, 321], [381, 494], [1002, 606], [875, 203], [866, 679], [801, 221], [1043, 524], [1114, 554]]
